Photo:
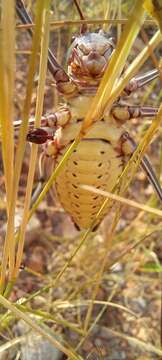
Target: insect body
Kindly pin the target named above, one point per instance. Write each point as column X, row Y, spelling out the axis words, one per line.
column 99, row 158
column 97, row 161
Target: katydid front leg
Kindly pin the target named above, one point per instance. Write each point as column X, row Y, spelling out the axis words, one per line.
column 46, row 135
column 141, row 80
column 63, row 82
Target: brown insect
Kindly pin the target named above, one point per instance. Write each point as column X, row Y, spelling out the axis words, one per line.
column 100, row 157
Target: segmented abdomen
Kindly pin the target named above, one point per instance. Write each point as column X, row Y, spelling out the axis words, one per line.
column 94, row 162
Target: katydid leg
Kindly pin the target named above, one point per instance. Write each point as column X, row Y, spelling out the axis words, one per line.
column 141, row 80
column 63, row 82
column 147, row 168
column 123, row 112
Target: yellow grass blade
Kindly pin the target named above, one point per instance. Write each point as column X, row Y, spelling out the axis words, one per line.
column 38, row 114
column 154, row 8
column 134, row 67
column 123, row 200
column 132, row 165
column 66, row 23
column 9, row 246
column 116, row 65
column 7, row 71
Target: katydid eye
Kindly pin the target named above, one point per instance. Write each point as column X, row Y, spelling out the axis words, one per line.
column 85, row 50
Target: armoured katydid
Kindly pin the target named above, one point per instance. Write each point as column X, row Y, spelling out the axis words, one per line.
column 100, row 157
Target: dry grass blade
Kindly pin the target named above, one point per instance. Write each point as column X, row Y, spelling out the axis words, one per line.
column 110, row 12
column 67, row 304
column 7, row 71
column 38, row 114
column 131, row 167
column 5, row 303
column 154, row 8
column 123, row 200
column 99, row 275
column 134, row 67
column 63, row 23
column 7, row 66
column 141, row 344
column 12, row 343
column 120, row 188
column 10, row 238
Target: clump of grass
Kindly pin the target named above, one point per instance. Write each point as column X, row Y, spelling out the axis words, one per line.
column 10, row 240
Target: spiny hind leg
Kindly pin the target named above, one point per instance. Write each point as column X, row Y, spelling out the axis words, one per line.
column 128, row 146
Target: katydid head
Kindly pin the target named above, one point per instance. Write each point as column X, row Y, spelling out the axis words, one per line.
column 90, row 54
